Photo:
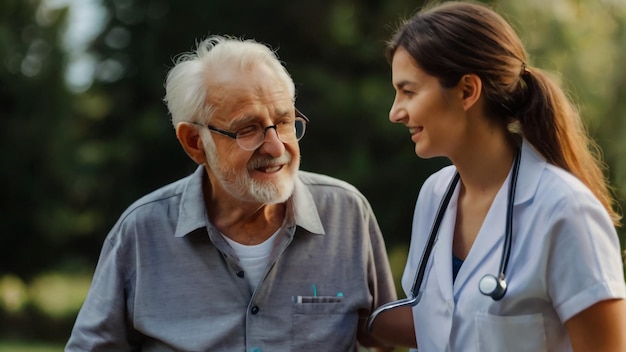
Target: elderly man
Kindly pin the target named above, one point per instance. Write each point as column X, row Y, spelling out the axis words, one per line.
column 248, row 253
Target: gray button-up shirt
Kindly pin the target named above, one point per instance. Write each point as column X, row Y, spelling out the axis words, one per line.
column 168, row 281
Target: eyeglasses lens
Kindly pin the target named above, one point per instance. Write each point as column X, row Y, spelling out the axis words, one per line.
column 287, row 133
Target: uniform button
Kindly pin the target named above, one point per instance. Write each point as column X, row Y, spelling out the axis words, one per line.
column 240, row 273
column 255, row 310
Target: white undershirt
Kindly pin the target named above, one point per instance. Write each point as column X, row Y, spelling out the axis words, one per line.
column 253, row 258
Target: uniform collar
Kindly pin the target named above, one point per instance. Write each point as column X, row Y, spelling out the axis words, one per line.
column 488, row 246
column 531, row 168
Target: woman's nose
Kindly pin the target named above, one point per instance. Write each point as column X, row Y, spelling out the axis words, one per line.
column 396, row 113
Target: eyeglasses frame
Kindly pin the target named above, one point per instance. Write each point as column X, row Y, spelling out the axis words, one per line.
column 233, row 135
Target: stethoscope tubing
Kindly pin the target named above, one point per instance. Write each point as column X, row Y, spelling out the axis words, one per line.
column 434, row 232
column 508, row 238
column 416, row 293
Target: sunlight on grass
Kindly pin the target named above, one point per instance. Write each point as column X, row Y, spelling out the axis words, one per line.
column 14, row 346
column 397, row 261
column 59, row 295
column 13, row 293
column 55, row 294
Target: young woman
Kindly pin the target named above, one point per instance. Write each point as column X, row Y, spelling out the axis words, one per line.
column 514, row 245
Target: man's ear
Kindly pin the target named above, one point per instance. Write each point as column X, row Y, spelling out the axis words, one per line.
column 189, row 137
column 470, row 87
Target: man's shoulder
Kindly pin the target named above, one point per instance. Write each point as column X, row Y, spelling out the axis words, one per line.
column 316, row 180
column 325, row 190
column 160, row 197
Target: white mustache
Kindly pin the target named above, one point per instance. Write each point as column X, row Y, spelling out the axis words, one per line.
column 264, row 161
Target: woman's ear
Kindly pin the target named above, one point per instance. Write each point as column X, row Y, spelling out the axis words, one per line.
column 471, row 87
column 189, row 137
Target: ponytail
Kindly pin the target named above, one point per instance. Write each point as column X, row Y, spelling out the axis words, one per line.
column 552, row 124
column 457, row 38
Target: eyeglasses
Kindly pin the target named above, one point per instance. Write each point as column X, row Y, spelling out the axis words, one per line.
column 253, row 136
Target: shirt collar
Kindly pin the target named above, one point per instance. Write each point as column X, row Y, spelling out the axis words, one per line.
column 531, row 168
column 305, row 209
column 192, row 211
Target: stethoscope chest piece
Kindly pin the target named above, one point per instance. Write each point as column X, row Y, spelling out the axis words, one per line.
column 489, row 285
column 492, row 286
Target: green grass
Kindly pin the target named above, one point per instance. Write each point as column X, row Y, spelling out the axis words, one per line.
column 21, row 346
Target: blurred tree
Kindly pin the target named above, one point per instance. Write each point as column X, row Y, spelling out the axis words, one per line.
column 581, row 41
column 36, row 131
column 334, row 52
column 84, row 157
column 74, row 159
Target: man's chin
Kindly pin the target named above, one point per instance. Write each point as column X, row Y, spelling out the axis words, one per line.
column 272, row 193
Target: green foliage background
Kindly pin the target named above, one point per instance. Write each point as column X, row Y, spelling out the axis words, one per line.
column 75, row 155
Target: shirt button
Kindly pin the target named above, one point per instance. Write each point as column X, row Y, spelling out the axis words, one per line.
column 240, row 273
column 255, row 310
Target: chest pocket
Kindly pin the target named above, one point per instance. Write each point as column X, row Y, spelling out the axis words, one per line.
column 520, row 333
column 323, row 321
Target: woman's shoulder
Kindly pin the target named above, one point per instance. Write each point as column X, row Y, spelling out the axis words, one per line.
column 558, row 184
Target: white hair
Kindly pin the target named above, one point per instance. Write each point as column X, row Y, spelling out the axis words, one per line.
column 188, row 83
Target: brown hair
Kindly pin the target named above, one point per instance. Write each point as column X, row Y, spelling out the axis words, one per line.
column 456, row 38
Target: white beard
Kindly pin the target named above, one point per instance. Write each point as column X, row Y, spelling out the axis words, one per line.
column 241, row 186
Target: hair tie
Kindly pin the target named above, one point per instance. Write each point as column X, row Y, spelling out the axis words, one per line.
column 524, row 70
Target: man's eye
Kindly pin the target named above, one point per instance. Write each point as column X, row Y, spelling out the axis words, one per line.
column 248, row 131
column 285, row 122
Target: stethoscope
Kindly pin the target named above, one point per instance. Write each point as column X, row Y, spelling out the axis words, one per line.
column 489, row 285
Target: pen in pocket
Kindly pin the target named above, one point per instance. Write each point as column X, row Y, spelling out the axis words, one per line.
column 317, row 299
